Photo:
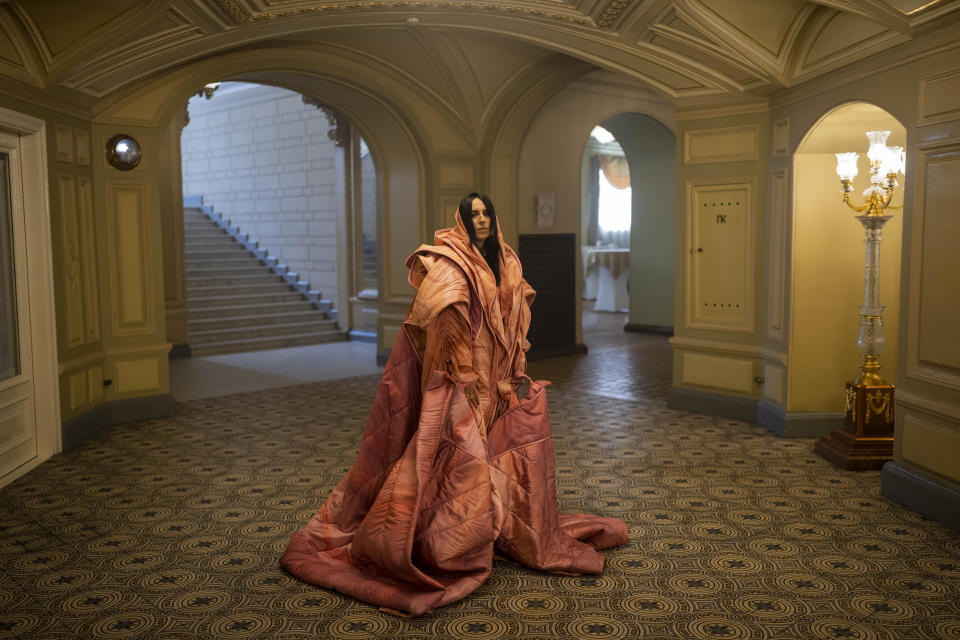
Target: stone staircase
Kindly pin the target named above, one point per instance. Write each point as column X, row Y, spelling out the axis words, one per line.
column 236, row 303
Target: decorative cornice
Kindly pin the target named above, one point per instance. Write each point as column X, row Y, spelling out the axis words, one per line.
column 612, row 12
column 338, row 127
column 240, row 15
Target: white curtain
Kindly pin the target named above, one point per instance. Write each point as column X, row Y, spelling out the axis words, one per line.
column 614, row 206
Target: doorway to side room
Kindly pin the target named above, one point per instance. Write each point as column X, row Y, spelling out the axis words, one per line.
column 628, row 179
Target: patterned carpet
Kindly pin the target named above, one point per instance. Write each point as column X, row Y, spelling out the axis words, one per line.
column 172, row 528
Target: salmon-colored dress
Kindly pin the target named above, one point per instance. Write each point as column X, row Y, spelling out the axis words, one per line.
column 453, row 465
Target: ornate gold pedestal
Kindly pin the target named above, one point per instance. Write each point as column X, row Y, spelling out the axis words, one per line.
column 865, row 441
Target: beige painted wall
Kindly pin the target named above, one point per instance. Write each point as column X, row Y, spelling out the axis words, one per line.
column 923, row 95
column 828, row 269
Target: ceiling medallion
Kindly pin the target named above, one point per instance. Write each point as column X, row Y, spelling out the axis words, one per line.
column 240, row 15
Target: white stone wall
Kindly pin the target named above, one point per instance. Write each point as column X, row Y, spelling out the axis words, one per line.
column 262, row 158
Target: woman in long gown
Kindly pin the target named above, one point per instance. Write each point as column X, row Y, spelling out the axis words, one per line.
column 453, row 465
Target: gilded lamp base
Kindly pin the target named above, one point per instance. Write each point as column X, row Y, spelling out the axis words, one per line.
column 865, row 442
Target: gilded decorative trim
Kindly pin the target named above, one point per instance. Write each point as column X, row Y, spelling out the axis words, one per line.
column 611, row 13
column 239, row 15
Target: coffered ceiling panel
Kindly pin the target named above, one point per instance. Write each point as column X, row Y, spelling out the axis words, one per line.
column 842, row 33
column 768, row 24
column 492, row 62
column 400, row 49
column 101, row 72
column 461, row 52
column 58, row 34
column 8, row 51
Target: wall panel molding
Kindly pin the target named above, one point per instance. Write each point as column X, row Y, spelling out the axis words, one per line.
column 933, row 351
column 939, row 98
column 91, row 286
column 717, row 372
column 136, row 376
column 780, row 138
column 82, row 140
column 63, row 139
column 130, row 262
column 72, row 277
column 777, row 243
column 726, row 144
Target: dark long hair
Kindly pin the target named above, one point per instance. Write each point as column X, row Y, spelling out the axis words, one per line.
column 491, row 246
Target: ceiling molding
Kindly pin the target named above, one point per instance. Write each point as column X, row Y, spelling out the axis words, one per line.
column 30, row 69
column 683, row 49
column 240, row 14
column 906, row 53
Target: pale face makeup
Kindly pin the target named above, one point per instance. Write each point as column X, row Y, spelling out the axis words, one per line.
column 481, row 221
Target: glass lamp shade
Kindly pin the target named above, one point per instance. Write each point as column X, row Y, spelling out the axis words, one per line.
column 878, row 146
column 893, row 163
column 847, row 165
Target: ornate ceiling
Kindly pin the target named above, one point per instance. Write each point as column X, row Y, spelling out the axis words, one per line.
column 84, row 52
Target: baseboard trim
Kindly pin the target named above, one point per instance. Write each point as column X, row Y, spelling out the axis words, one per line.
column 180, row 351
column 79, row 428
column 797, row 424
column 554, row 352
column 635, row 327
column 911, row 487
column 713, row 404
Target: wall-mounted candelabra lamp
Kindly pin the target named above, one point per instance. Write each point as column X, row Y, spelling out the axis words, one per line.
column 865, row 441
column 123, row 152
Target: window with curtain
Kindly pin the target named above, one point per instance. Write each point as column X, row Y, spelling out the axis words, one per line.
column 614, row 206
column 608, row 193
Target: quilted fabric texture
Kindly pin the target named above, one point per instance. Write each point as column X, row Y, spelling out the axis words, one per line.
column 414, row 524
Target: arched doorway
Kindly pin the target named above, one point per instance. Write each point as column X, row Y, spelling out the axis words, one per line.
column 648, row 150
column 606, row 216
column 828, row 264
column 298, row 185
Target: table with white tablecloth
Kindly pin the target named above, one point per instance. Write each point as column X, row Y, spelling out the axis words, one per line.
column 605, row 272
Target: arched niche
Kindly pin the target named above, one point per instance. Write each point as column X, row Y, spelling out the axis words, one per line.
column 828, row 260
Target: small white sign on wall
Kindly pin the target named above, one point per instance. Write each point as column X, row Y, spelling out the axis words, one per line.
column 545, row 209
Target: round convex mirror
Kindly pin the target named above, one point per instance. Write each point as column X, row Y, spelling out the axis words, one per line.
column 123, row 152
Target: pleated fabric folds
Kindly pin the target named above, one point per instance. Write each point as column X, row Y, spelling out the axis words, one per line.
column 416, row 521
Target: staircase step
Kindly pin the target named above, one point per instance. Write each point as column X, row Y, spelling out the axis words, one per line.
column 242, row 299
column 237, row 303
column 225, row 278
column 205, row 336
column 259, row 344
column 205, row 234
column 214, row 291
column 213, row 243
column 256, row 321
column 226, row 263
column 242, row 268
column 227, row 251
column 227, row 312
